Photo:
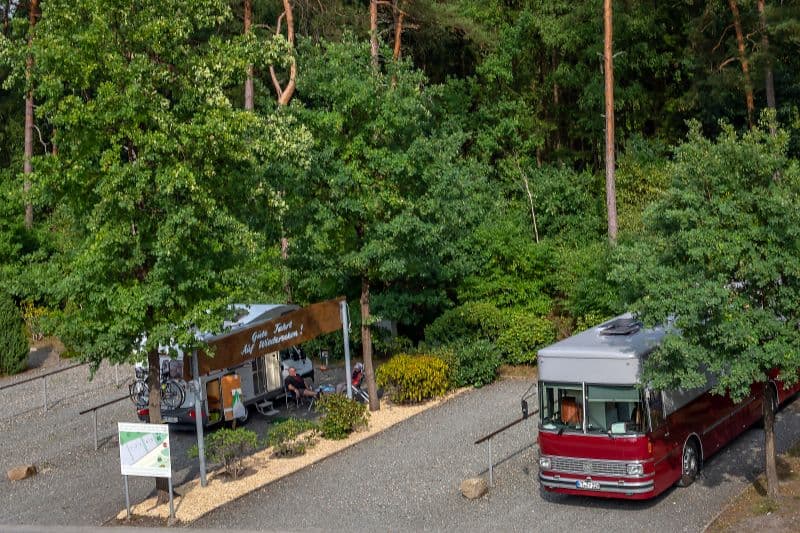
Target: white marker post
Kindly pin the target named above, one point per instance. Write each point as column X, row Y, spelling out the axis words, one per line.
column 346, row 335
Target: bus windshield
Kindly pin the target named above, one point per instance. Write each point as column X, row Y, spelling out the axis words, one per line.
column 614, row 410
column 610, row 409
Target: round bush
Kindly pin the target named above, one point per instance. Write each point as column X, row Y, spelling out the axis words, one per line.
column 473, row 320
column 340, row 416
column 524, row 335
column 414, row 378
column 13, row 343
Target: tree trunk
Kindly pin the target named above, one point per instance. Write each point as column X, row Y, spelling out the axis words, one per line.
column 154, row 408
column 285, row 93
column 27, row 165
column 366, row 347
column 6, row 9
column 398, row 29
column 373, row 32
column 248, row 83
column 769, row 80
column 608, row 69
column 769, row 441
column 748, row 86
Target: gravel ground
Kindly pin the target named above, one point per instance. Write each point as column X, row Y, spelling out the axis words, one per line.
column 77, row 485
column 408, row 477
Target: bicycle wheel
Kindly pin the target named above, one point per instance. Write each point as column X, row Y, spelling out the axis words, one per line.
column 139, row 393
column 171, row 395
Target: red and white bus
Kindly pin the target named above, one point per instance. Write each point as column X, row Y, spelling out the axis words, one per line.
column 601, row 433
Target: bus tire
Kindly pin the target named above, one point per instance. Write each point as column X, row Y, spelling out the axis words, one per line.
column 690, row 463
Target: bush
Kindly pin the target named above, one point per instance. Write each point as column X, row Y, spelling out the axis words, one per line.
column 229, row 447
column 472, row 363
column 13, row 343
column 524, row 335
column 410, row 379
column 340, row 416
column 286, row 440
column 473, row 320
column 32, row 316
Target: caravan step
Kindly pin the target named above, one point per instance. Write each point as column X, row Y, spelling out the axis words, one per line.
column 266, row 408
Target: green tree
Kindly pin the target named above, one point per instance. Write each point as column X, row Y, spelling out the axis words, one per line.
column 722, row 259
column 388, row 198
column 156, row 188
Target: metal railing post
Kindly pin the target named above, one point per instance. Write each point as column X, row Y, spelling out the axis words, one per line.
column 44, row 381
column 491, row 473
column 95, row 429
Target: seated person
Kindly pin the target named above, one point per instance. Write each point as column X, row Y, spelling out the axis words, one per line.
column 297, row 385
column 358, row 374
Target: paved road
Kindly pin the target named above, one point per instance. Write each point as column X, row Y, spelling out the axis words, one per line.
column 77, row 485
column 408, row 477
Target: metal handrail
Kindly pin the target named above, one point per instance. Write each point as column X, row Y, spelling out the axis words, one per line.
column 525, row 416
column 94, row 409
column 41, row 376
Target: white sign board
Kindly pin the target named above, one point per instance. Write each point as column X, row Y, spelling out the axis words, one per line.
column 144, row 450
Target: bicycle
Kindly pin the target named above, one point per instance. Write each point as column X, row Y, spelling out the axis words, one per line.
column 172, row 393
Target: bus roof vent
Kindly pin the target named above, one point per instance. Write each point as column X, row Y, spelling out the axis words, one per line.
column 621, row 326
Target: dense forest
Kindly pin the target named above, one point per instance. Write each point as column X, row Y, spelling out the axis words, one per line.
column 441, row 163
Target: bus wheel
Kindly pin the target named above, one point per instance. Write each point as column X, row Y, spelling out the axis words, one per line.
column 690, row 462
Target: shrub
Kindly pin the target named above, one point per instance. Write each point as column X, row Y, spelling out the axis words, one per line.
column 472, row 320
column 32, row 316
column 340, row 416
column 524, row 335
column 229, row 447
column 472, row 363
column 13, row 343
column 292, row 437
column 414, row 378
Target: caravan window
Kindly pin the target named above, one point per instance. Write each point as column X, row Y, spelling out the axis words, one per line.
column 561, row 405
column 615, row 410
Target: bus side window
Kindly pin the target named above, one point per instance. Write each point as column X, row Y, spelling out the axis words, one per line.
column 656, row 409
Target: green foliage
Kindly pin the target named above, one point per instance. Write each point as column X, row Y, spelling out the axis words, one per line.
column 413, row 378
column 13, row 344
column 472, row 320
column 158, row 192
column 472, row 363
column 292, row 437
column 228, row 447
column 721, row 258
column 387, row 199
column 523, row 336
column 340, row 416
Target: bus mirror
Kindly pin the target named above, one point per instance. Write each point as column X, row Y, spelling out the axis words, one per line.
column 524, row 408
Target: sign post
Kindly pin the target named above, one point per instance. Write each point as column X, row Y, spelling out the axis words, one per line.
column 144, row 451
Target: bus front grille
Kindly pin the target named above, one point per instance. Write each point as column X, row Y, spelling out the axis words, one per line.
column 588, row 466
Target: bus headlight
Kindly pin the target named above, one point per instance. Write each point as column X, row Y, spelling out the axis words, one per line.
column 545, row 463
column 635, row 469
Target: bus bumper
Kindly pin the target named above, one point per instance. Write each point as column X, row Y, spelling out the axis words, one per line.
column 636, row 489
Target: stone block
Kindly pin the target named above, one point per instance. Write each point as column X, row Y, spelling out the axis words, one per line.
column 474, row 488
column 18, row 473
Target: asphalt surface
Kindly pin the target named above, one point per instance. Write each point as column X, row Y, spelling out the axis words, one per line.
column 408, row 477
column 77, row 485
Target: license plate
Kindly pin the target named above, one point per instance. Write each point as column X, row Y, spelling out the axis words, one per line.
column 587, row 484
column 171, row 419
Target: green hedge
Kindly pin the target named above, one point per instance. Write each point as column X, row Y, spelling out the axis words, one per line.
column 472, row 363
column 13, row 342
column 414, row 378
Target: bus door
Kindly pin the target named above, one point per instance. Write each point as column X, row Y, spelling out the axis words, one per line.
column 664, row 456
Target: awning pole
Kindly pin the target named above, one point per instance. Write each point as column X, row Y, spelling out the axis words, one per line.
column 346, row 336
column 198, row 417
